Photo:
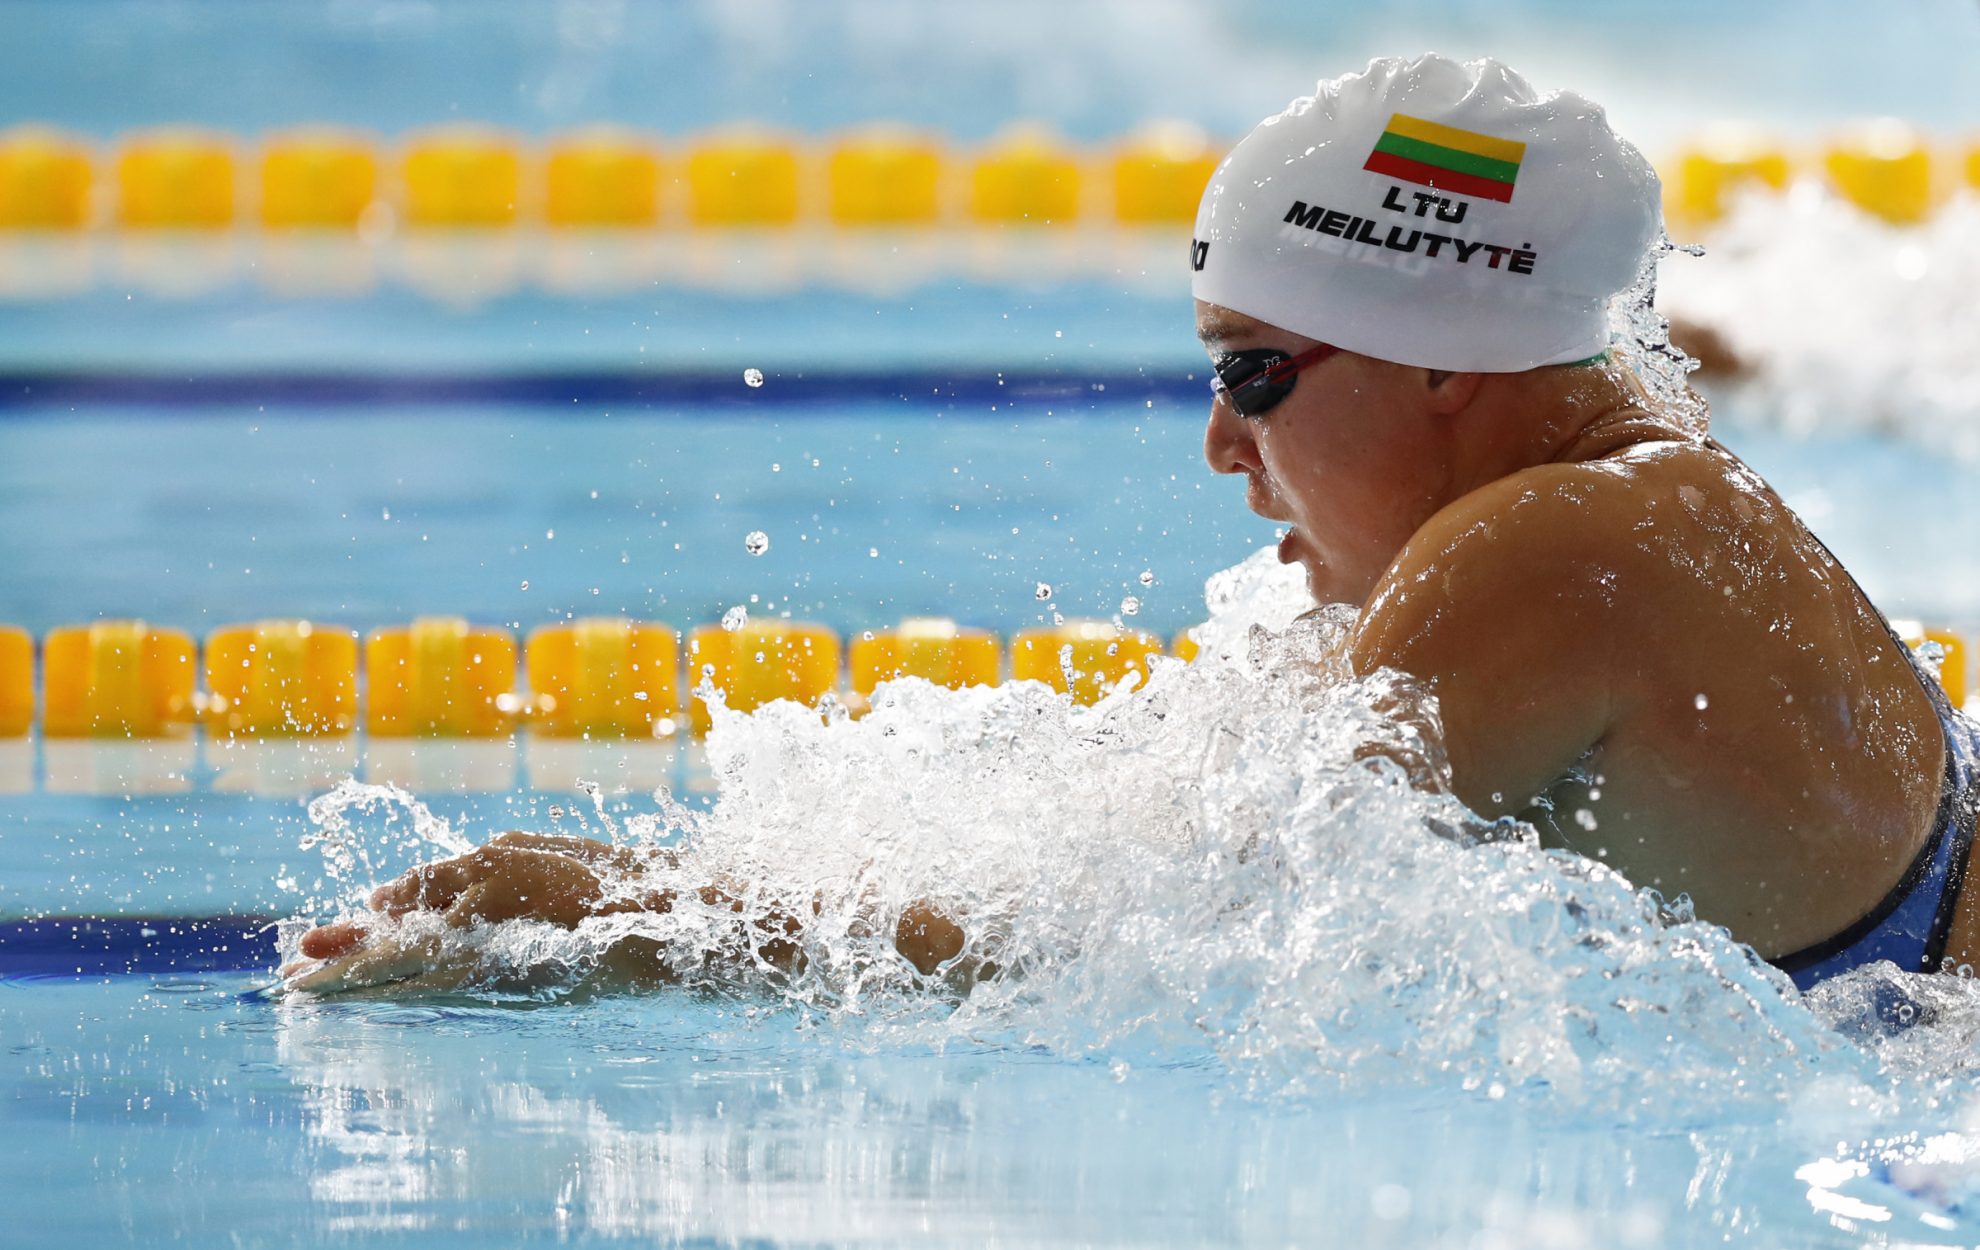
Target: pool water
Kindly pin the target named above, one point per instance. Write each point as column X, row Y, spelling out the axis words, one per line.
column 710, row 1122
column 1115, row 1105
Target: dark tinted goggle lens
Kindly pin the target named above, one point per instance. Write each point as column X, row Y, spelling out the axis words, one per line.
column 1254, row 379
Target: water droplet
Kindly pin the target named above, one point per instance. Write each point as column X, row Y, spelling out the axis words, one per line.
column 525, row 585
column 1147, row 577
column 735, row 618
column 1043, row 592
column 756, row 542
column 873, row 553
column 1130, row 606
column 752, row 377
column 1701, row 702
column 1584, row 818
column 556, row 811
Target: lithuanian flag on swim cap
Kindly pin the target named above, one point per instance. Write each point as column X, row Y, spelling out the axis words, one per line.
column 1447, row 158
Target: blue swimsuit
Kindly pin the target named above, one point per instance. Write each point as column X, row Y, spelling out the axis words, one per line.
column 1911, row 925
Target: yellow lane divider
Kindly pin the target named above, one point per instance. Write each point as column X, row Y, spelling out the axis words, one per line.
column 478, row 177
column 1886, row 168
column 463, row 176
column 885, row 176
column 759, row 662
column 743, row 177
column 1083, row 658
column 933, row 649
column 278, row 679
column 16, row 682
column 1159, row 175
column 440, row 678
column 596, row 678
column 176, row 179
column 603, row 677
column 117, row 679
column 1025, row 177
column 602, row 178
column 318, row 178
column 44, row 180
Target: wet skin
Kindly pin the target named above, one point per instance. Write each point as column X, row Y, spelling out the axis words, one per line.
column 1634, row 643
column 564, row 880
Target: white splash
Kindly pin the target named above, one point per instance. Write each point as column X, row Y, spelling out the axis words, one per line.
column 1249, row 859
column 1847, row 324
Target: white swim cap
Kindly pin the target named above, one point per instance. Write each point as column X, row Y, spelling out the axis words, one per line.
column 1431, row 214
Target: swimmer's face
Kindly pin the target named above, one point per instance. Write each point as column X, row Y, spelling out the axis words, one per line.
column 1351, row 460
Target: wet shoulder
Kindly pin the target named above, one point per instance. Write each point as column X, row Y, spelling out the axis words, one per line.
column 1656, row 521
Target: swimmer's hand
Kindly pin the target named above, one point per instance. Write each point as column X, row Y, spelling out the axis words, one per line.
column 524, row 876
column 517, row 876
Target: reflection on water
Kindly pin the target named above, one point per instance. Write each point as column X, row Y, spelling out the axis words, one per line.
column 686, row 1120
column 146, row 1111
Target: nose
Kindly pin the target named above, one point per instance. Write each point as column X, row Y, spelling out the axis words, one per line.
column 1228, row 443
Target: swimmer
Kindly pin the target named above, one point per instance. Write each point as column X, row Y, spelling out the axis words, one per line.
column 1636, row 646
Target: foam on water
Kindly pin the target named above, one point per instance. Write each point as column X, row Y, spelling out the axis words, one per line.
column 1847, row 324
column 1253, row 861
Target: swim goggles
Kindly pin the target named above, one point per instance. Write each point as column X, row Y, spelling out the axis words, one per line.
column 1256, row 379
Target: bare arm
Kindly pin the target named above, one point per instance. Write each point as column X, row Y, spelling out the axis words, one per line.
column 525, row 876
column 1497, row 604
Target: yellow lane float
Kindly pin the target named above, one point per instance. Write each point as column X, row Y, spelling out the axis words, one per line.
column 743, row 177
column 1885, row 169
column 1084, row 658
column 1159, row 174
column 179, row 179
column 1709, row 172
column 760, row 661
column 602, row 677
column 16, row 682
column 1025, row 177
column 462, row 177
column 931, row 648
column 884, row 176
column 117, row 679
column 281, row 679
column 318, row 178
column 601, row 178
column 440, row 678
column 44, row 180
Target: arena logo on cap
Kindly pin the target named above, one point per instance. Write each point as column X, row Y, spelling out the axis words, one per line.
column 1446, row 158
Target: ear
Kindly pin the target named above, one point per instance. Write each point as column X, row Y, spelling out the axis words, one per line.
column 1451, row 393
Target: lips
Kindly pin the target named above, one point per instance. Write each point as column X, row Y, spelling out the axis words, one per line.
column 1259, row 498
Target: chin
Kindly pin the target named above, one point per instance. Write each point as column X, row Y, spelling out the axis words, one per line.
column 1328, row 588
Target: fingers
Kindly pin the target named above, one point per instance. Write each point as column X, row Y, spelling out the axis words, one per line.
column 588, row 850
column 332, row 940
column 387, row 959
column 928, row 936
column 430, row 886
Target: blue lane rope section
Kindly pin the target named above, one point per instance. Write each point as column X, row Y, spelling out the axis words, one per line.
column 1013, row 393
column 71, row 946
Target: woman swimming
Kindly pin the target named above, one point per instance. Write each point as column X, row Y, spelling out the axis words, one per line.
column 1402, row 284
